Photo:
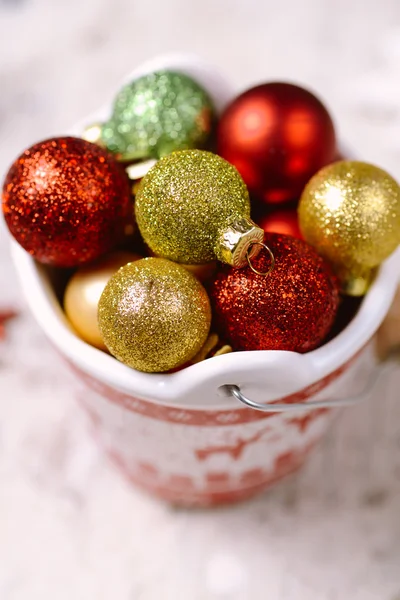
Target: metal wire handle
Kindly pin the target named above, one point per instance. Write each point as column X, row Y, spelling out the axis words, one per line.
column 376, row 375
column 271, row 257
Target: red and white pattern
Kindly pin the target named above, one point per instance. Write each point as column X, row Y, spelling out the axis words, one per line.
column 206, row 457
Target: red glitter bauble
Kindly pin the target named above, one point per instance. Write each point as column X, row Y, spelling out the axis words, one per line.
column 277, row 135
column 66, row 201
column 293, row 308
column 281, row 221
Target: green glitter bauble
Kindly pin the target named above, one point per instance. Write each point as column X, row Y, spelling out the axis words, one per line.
column 186, row 201
column 157, row 114
column 154, row 315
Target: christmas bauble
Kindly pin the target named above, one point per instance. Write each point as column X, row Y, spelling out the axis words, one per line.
column 350, row 212
column 154, row 315
column 281, row 221
column 193, row 207
column 293, row 308
column 83, row 291
column 66, row 201
column 277, row 135
column 157, row 114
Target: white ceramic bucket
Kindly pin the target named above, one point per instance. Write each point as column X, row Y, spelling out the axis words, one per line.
column 181, row 436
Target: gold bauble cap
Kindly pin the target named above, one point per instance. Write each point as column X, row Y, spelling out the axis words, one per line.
column 238, row 241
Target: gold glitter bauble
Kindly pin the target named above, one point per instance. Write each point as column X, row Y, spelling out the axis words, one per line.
column 350, row 212
column 193, row 207
column 83, row 292
column 154, row 316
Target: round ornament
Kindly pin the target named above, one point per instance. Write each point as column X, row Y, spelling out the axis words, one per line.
column 157, row 114
column 83, row 291
column 154, row 315
column 193, row 207
column 66, row 201
column 293, row 308
column 277, row 135
column 350, row 212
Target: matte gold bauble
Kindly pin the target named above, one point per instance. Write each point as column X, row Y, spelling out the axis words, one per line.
column 83, row 292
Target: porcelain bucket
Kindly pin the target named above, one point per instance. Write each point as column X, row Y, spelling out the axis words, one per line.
column 183, row 436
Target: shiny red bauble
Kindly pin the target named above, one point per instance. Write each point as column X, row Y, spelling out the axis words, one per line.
column 281, row 221
column 277, row 135
column 66, row 201
column 292, row 308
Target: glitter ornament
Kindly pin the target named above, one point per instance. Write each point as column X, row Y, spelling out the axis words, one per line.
column 83, row 291
column 66, row 201
column 277, row 135
column 350, row 212
column 157, row 114
column 154, row 315
column 293, row 308
column 281, row 221
column 193, row 207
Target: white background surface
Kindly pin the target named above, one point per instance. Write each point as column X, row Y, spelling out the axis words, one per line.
column 70, row 527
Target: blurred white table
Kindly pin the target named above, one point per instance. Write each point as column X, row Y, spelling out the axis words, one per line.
column 70, row 527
